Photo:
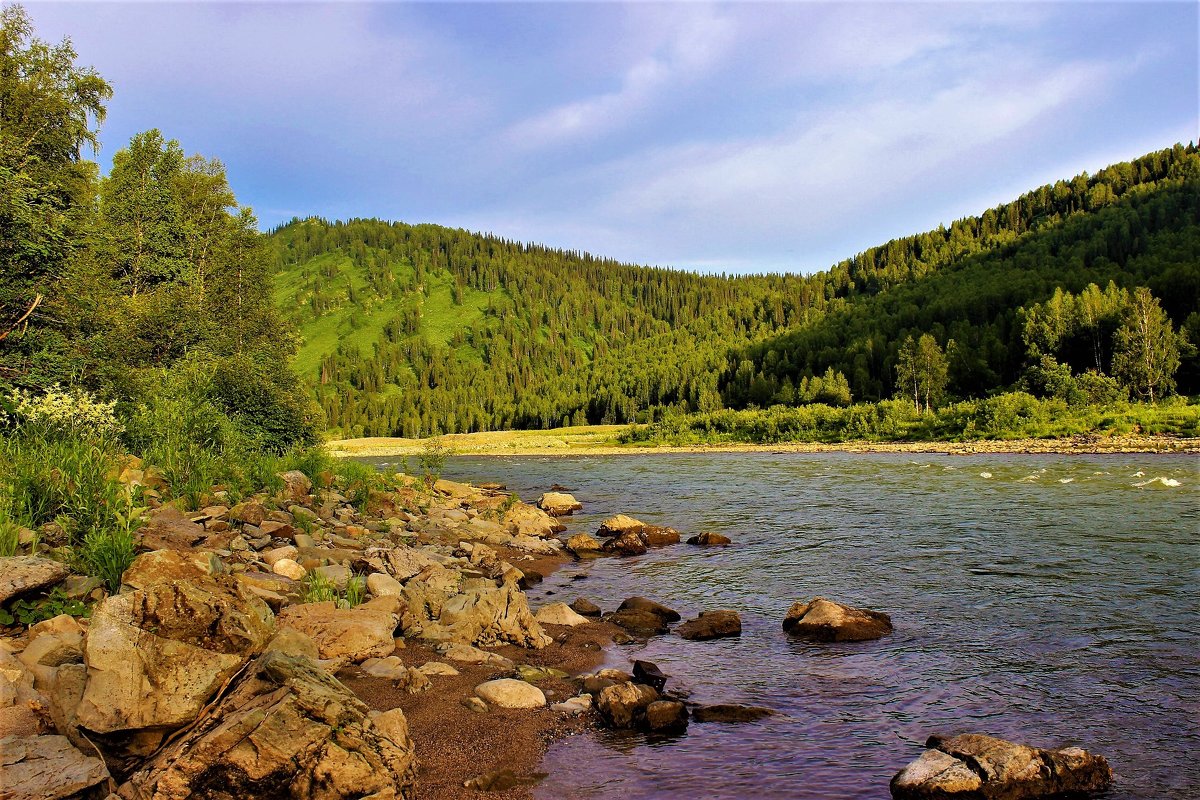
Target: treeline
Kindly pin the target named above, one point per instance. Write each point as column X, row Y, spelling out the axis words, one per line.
column 418, row 330
column 149, row 287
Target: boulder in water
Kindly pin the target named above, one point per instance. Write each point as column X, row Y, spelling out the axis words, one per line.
column 730, row 713
column 559, row 504
column 709, row 539
column 826, row 621
column 977, row 766
column 711, row 625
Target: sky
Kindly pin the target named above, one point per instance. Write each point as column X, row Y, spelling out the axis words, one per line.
column 746, row 137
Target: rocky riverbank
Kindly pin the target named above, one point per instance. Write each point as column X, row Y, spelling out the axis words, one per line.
column 302, row 643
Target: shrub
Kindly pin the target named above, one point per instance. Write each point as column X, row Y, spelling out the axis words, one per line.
column 72, row 413
column 434, row 453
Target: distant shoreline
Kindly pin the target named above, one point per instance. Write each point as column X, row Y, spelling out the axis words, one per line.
column 600, row 440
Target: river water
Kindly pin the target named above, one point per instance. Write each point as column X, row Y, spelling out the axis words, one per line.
column 1053, row 600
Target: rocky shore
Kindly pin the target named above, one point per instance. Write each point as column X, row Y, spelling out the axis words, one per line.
column 298, row 644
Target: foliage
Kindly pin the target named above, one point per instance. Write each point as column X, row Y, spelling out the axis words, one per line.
column 1147, row 348
column 107, row 551
column 432, row 459
column 417, row 330
column 1011, row 415
column 318, row 589
column 71, row 412
column 356, row 590
column 31, row 612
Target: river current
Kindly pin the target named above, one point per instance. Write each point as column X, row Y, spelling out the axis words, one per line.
column 1052, row 600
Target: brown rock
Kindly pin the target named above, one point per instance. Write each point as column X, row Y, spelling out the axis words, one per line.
column 623, row 705
column 639, row 622
column 49, row 768
column 526, row 520
column 730, row 713
column 585, row 607
column 170, row 529
column 659, row 536
column 156, row 655
column 559, row 504
column 615, row 526
column 162, row 566
column 666, row 716
column 286, row 729
column 826, row 621
column 249, row 512
column 22, row 574
column 976, row 766
column 352, row 634
column 629, row 543
column 711, row 625
column 296, row 486
column 642, row 604
column 583, row 545
column 709, row 539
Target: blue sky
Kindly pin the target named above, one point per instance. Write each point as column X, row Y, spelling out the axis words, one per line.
column 742, row 137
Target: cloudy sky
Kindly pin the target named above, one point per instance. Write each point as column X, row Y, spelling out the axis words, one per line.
column 744, row 137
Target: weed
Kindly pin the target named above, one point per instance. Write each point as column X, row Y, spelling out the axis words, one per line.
column 356, row 590
column 318, row 589
column 31, row 612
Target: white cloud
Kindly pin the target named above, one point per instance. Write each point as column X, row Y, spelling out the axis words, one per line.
column 691, row 45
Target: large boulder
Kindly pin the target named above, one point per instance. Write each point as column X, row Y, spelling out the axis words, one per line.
column 559, row 504
column 526, row 520
column 22, row 574
column 168, row 528
column 511, row 693
column 711, row 625
column 623, row 705
column 642, row 604
column 286, row 729
column 730, row 713
column 582, row 545
column 346, row 634
column 621, row 523
column 49, row 768
column 974, row 766
column 161, row 566
column 249, row 512
column 826, row 621
column 296, row 486
column 625, row 544
column 667, row 716
column 559, row 614
column 489, row 615
column 709, row 539
column 158, row 654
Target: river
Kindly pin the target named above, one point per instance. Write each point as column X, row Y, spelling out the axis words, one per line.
column 1053, row 600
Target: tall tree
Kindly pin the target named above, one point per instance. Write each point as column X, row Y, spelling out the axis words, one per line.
column 50, row 109
column 1147, row 351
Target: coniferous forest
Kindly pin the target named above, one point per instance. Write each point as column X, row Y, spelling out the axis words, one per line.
column 416, row 330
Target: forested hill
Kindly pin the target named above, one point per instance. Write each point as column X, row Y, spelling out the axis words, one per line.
column 413, row 330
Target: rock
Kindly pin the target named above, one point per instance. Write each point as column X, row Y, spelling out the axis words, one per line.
column 466, row 654
column 647, row 672
column 575, row 705
column 526, row 520
column 615, row 526
column 474, row 704
column 168, row 528
column 585, row 607
column 296, row 486
column 502, row 780
column 559, row 614
column 277, row 530
column 511, row 693
column 437, row 668
column 666, row 716
column 642, row 604
column 405, row 562
column 249, row 512
column 623, row 705
column 559, row 504
column 826, row 621
column 391, row 667
column 287, row 551
column 49, row 768
column 531, row 674
column 289, row 569
column 489, row 615
column 583, row 545
column 709, row 539
column 337, row 574
column 639, row 622
column 286, row 729
column 711, row 625
column 659, row 536
column 294, row 643
column 626, row 544
column 381, row 585
column 23, row 574
column 354, row 634
column 393, row 725
column 157, row 655
column 977, row 766
column 730, row 712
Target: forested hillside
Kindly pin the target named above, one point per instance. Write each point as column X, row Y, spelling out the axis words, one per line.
column 414, row 330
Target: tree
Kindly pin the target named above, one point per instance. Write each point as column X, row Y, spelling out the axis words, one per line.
column 923, row 369
column 49, row 110
column 1147, row 348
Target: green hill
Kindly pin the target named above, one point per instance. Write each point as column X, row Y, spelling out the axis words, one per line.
column 418, row 329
